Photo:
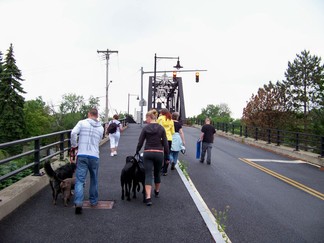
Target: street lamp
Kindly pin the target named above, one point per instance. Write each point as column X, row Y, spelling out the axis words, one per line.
column 128, row 100
column 178, row 66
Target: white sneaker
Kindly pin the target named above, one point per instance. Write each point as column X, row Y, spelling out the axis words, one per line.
column 112, row 154
column 115, row 153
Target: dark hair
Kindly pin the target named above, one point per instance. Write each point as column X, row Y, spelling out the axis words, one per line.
column 94, row 112
column 116, row 117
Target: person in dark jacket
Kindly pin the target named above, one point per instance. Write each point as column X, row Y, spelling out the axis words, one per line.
column 156, row 146
column 207, row 137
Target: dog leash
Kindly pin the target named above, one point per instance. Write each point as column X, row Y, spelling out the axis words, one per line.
column 73, row 154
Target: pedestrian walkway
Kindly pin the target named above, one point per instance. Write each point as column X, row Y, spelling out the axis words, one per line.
column 173, row 217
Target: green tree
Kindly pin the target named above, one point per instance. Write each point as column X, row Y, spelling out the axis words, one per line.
column 210, row 111
column 1, row 64
column 305, row 84
column 217, row 113
column 72, row 109
column 71, row 103
column 92, row 102
column 12, row 121
column 37, row 117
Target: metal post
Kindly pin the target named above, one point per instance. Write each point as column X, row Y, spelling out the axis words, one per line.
column 322, row 147
column 106, row 107
column 129, row 102
column 269, row 136
column 107, row 99
column 154, row 82
column 36, row 157
column 297, row 142
column 62, row 146
column 107, row 53
column 128, row 105
column 142, row 96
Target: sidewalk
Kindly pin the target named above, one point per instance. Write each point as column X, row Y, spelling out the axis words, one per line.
column 173, row 217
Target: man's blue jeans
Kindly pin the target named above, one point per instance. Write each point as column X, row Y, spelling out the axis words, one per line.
column 206, row 147
column 85, row 163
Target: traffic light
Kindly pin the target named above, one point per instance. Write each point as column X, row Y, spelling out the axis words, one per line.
column 174, row 76
column 197, row 77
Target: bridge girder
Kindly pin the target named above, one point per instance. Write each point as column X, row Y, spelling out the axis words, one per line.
column 169, row 94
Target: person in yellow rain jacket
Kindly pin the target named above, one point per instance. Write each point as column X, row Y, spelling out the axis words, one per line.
column 165, row 120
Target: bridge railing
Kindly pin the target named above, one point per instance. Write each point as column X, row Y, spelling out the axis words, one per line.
column 35, row 150
column 296, row 140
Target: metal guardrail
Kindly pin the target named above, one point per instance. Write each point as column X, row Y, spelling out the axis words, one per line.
column 58, row 140
column 44, row 147
column 297, row 140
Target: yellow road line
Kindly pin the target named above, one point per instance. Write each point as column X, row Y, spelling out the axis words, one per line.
column 285, row 179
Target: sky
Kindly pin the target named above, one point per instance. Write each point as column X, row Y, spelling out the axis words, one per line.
column 242, row 44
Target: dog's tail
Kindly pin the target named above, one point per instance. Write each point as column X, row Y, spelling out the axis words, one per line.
column 50, row 172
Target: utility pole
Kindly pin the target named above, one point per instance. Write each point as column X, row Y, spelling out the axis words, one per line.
column 142, row 98
column 107, row 53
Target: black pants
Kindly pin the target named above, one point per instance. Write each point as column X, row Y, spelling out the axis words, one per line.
column 152, row 160
column 166, row 156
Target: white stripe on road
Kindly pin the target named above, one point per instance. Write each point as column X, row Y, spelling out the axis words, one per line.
column 203, row 209
column 280, row 161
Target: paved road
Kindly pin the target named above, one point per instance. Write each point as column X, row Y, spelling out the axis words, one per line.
column 263, row 208
column 172, row 218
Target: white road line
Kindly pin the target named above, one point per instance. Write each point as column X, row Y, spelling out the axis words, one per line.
column 279, row 161
column 203, row 209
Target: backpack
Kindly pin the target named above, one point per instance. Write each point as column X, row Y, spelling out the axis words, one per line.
column 112, row 128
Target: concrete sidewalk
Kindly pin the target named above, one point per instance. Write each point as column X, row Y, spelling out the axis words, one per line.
column 174, row 217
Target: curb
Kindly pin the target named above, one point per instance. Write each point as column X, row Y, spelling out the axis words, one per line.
column 16, row 194
column 203, row 209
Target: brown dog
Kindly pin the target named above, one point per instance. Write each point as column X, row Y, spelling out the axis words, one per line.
column 59, row 175
column 67, row 185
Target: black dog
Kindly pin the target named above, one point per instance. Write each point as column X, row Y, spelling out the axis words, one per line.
column 126, row 177
column 58, row 176
column 139, row 176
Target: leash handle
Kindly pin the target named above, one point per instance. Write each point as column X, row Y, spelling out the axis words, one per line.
column 73, row 154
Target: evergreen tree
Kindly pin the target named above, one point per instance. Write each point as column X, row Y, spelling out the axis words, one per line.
column 12, row 120
column 305, row 84
column 1, row 63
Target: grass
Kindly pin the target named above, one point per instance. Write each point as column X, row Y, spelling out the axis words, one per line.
column 183, row 166
column 221, row 218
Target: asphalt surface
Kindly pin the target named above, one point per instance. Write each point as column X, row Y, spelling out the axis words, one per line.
column 173, row 217
column 262, row 208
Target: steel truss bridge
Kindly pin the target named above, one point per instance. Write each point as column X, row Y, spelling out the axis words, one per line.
column 166, row 92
